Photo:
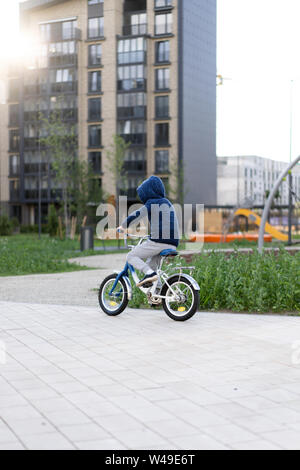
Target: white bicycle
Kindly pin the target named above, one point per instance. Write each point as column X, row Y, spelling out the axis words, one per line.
column 178, row 293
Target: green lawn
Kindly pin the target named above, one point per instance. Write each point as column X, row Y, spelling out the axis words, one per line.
column 26, row 254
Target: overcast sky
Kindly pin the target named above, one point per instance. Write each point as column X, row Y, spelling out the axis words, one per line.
column 258, row 54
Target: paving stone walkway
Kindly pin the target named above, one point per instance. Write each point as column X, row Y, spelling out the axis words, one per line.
column 73, row 378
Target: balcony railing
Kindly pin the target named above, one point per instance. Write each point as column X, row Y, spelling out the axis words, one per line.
column 32, row 168
column 33, row 194
column 59, row 35
column 135, row 139
column 139, row 166
column 133, row 112
column 135, row 30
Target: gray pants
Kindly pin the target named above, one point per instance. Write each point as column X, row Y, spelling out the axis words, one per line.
column 147, row 251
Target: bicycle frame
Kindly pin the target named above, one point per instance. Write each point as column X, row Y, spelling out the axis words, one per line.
column 163, row 278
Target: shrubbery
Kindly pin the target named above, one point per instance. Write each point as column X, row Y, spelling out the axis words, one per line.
column 245, row 282
column 29, row 229
column 5, row 226
column 52, row 221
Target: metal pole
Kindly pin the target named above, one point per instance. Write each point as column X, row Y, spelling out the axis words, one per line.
column 40, row 191
column 269, row 203
column 290, row 207
column 291, row 119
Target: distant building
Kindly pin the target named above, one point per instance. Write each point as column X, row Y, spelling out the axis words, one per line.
column 143, row 69
column 251, row 178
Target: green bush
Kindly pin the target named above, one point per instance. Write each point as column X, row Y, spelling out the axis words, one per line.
column 30, row 229
column 244, row 282
column 5, row 226
column 15, row 223
column 249, row 283
column 52, row 221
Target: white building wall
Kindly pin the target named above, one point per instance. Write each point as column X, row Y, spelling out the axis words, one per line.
column 244, row 178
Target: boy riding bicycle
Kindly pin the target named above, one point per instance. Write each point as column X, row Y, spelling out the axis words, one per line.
column 164, row 229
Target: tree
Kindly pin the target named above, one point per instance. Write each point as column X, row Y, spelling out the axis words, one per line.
column 176, row 191
column 87, row 193
column 60, row 139
column 52, row 221
column 116, row 166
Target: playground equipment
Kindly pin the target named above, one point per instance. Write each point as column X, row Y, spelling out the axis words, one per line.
column 254, row 218
column 269, row 202
column 219, row 237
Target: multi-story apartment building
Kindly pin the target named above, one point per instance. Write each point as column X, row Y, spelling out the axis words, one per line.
column 142, row 69
column 4, row 188
column 250, row 178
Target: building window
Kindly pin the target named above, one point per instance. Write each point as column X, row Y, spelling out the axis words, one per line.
column 130, row 187
column 133, row 131
column 61, row 80
column 14, row 141
column 138, row 25
column 162, row 107
column 94, row 109
column 95, row 54
column 94, row 2
column 14, row 89
column 95, row 162
column 14, row 165
column 163, row 24
column 132, row 105
column 58, row 31
column 132, row 77
column 14, row 115
column 95, row 82
column 162, row 161
column 14, row 190
column 162, row 80
column 45, row 32
column 132, row 51
column 162, row 135
column 162, row 51
column 68, row 30
column 163, row 3
column 62, row 53
column 95, row 27
column 95, row 138
column 135, row 160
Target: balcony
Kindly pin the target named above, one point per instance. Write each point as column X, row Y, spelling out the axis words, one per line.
column 139, row 166
column 58, row 35
column 14, row 192
column 135, row 30
column 135, row 139
column 33, row 194
column 33, row 168
column 132, row 112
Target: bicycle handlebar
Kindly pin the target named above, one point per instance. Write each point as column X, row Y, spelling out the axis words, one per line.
column 129, row 235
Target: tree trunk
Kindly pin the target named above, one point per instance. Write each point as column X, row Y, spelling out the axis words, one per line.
column 66, row 215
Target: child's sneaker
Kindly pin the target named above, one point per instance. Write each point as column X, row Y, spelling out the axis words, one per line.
column 148, row 279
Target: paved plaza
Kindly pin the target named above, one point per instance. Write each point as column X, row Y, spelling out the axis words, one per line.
column 73, row 378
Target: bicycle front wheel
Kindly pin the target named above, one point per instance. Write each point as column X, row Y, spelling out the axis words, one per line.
column 181, row 299
column 115, row 303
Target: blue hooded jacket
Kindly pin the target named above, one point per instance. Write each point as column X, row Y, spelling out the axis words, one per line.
column 161, row 213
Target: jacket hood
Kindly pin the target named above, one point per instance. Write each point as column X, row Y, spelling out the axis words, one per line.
column 152, row 188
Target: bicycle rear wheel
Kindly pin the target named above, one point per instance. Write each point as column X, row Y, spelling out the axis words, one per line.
column 186, row 303
column 113, row 304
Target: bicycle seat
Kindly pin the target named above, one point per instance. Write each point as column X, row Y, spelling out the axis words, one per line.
column 167, row 253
